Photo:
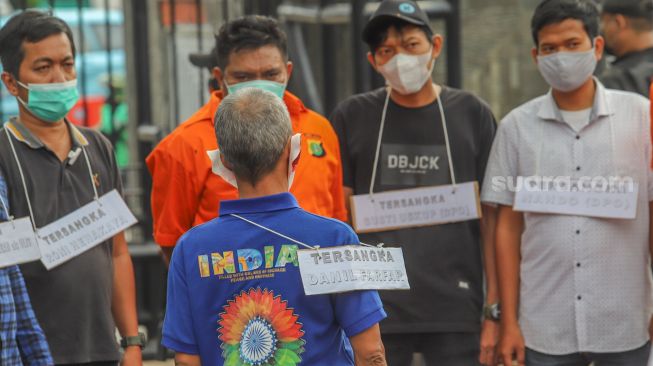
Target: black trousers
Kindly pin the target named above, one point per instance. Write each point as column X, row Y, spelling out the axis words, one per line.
column 438, row 349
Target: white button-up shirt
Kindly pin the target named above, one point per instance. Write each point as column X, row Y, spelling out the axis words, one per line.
column 585, row 283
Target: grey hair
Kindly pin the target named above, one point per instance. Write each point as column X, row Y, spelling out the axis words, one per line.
column 253, row 128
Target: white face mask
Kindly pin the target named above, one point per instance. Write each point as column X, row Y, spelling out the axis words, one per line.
column 567, row 71
column 228, row 175
column 407, row 74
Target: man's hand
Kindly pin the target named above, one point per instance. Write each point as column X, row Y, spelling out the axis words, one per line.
column 511, row 346
column 368, row 347
column 489, row 340
column 132, row 357
column 182, row 359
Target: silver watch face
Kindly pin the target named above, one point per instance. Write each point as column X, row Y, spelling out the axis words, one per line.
column 495, row 311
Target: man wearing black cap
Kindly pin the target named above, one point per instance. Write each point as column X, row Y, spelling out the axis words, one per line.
column 628, row 31
column 208, row 60
column 403, row 125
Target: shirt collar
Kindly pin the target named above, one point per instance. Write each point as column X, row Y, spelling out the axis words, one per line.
column 24, row 135
column 275, row 202
column 549, row 110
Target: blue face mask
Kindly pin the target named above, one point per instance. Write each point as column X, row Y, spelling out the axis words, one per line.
column 50, row 102
column 275, row 88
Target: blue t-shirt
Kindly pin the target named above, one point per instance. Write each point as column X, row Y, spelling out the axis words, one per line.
column 235, row 295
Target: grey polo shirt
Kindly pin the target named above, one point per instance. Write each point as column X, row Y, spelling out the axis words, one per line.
column 73, row 301
column 585, row 283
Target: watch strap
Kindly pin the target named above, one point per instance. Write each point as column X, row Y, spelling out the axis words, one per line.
column 138, row 340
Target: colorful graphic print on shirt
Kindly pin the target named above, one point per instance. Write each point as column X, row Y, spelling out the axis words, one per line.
column 259, row 329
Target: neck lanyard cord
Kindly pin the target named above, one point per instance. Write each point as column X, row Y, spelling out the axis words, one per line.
column 378, row 143
column 316, row 247
column 22, row 177
column 446, row 140
column 90, row 174
column 380, row 137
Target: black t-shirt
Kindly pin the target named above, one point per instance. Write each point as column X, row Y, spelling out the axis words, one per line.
column 444, row 264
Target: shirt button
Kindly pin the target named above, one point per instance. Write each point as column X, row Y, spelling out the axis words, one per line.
column 578, row 168
column 577, row 232
column 578, row 264
column 579, row 297
column 577, row 137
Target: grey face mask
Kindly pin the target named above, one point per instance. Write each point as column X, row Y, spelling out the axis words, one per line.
column 567, row 71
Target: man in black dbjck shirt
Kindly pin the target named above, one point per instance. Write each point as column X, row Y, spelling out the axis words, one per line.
column 441, row 315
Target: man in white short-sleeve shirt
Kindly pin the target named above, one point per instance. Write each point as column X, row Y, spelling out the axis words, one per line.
column 575, row 289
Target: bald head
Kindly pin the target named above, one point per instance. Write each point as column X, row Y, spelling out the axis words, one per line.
column 253, row 128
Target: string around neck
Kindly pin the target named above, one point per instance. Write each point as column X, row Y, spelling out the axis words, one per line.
column 22, row 177
column 24, row 183
column 313, row 247
column 443, row 119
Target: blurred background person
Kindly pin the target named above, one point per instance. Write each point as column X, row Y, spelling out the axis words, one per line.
column 627, row 27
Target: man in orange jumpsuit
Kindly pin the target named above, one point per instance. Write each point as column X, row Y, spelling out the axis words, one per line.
column 251, row 52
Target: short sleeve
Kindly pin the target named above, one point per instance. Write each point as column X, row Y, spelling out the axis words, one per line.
column 487, row 130
column 501, row 166
column 338, row 122
column 357, row 311
column 178, row 332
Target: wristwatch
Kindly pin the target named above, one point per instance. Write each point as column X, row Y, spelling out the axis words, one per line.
column 492, row 312
column 138, row 340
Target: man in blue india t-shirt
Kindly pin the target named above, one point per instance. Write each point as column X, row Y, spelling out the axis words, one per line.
column 235, row 295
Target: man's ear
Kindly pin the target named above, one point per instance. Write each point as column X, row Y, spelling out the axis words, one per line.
column 599, row 45
column 370, row 59
column 621, row 21
column 437, row 42
column 10, row 83
column 226, row 163
column 289, row 68
column 219, row 76
column 534, row 54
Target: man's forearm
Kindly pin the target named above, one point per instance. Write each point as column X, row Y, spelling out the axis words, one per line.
column 488, row 225
column 508, row 241
column 182, row 359
column 124, row 289
column 650, row 233
column 368, row 347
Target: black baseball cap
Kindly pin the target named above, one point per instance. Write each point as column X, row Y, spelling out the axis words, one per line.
column 405, row 10
column 630, row 8
column 208, row 60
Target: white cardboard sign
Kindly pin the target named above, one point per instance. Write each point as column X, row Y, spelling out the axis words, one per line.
column 83, row 229
column 18, row 242
column 415, row 207
column 613, row 205
column 350, row 268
